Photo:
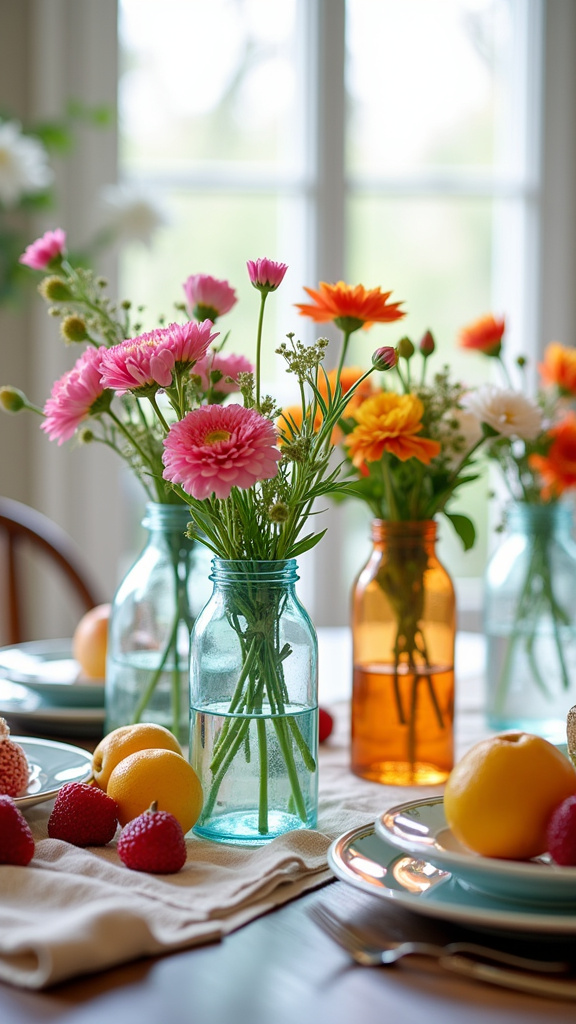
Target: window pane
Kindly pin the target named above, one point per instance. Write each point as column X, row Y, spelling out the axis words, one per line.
column 207, row 82
column 424, row 85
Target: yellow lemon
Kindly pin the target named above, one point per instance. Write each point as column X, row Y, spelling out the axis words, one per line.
column 159, row 775
column 125, row 740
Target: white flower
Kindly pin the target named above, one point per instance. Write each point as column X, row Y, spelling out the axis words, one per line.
column 509, row 413
column 132, row 214
column 24, row 167
column 460, row 430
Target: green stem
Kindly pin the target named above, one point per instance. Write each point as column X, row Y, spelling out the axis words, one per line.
column 258, row 369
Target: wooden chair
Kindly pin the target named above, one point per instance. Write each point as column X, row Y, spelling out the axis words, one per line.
column 25, row 531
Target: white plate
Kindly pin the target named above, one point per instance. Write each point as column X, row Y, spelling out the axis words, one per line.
column 419, row 827
column 26, row 709
column 52, row 764
column 48, row 668
column 362, row 859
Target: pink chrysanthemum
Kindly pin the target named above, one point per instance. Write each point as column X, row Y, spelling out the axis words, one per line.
column 73, row 396
column 150, row 358
column 215, row 448
column 229, row 366
column 208, row 298
column 265, row 274
column 40, row 253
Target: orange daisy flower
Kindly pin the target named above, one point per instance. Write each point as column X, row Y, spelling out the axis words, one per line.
column 389, row 422
column 350, row 307
column 290, row 421
column 559, row 367
column 558, row 467
column 484, row 335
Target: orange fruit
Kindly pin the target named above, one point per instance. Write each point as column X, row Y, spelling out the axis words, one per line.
column 500, row 795
column 125, row 740
column 159, row 775
column 90, row 642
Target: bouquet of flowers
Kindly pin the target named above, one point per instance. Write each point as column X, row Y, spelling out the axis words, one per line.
column 248, row 475
column 409, row 446
column 532, row 440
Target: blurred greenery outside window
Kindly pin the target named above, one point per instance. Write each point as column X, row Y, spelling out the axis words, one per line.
column 224, row 108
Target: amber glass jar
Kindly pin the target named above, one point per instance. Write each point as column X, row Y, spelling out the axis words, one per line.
column 403, row 635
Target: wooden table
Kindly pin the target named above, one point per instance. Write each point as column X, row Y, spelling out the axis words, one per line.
column 280, row 969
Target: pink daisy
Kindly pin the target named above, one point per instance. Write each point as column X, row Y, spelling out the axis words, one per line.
column 265, row 274
column 229, row 366
column 208, row 298
column 40, row 253
column 150, row 358
column 215, row 448
column 73, row 396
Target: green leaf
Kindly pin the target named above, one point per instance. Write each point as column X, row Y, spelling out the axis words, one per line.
column 464, row 528
column 304, row 545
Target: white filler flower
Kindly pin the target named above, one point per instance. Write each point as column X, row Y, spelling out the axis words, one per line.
column 24, row 167
column 132, row 215
column 509, row 413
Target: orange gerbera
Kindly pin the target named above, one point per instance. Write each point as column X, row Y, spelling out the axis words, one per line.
column 484, row 335
column 389, row 422
column 558, row 467
column 289, row 422
column 559, row 367
column 350, row 307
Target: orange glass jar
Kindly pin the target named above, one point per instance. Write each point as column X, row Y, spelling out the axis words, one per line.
column 403, row 637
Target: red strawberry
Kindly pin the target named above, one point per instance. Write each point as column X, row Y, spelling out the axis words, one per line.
column 325, row 724
column 561, row 833
column 83, row 815
column 154, row 841
column 16, row 839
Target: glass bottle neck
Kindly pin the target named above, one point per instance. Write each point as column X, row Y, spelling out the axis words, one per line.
column 232, row 572
column 386, row 532
column 166, row 518
column 553, row 518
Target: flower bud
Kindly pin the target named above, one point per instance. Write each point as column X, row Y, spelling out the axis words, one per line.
column 385, row 358
column 405, row 348
column 11, row 399
column 279, row 512
column 427, row 344
column 54, row 289
column 73, row 328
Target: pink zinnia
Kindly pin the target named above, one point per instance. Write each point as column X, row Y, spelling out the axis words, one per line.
column 215, row 448
column 150, row 358
column 228, row 365
column 40, row 253
column 265, row 274
column 208, row 298
column 73, row 396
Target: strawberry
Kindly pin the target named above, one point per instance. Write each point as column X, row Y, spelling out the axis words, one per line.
column 83, row 815
column 16, row 839
column 154, row 841
column 325, row 724
column 561, row 833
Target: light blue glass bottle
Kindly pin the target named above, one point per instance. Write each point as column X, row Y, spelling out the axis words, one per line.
column 253, row 704
column 153, row 611
column 530, row 622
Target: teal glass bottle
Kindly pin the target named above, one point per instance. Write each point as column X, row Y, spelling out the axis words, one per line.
column 253, row 704
column 153, row 611
column 530, row 622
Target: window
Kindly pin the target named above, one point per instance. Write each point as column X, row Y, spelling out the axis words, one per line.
column 390, row 143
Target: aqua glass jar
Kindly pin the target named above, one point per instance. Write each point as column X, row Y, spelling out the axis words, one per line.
column 253, row 704
column 154, row 608
column 530, row 622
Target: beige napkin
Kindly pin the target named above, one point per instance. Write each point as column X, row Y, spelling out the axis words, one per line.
column 74, row 911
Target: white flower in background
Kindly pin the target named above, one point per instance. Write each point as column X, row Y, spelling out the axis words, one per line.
column 131, row 214
column 509, row 413
column 460, row 431
column 24, row 166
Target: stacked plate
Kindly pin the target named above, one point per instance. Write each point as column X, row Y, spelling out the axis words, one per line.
column 42, row 691
column 409, row 856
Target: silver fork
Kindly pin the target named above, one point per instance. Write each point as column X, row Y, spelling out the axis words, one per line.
column 453, row 955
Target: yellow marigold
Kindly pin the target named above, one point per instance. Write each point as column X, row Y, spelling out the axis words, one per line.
column 350, row 307
column 559, row 367
column 389, row 422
